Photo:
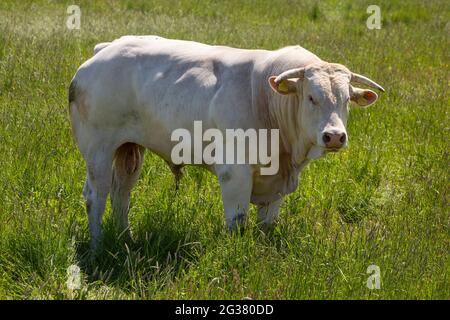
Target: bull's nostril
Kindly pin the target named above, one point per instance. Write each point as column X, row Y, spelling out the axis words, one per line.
column 343, row 138
column 326, row 138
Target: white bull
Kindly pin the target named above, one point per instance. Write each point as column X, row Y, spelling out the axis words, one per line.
column 135, row 91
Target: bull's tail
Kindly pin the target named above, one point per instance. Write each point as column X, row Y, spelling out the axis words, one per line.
column 128, row 162
column 75, row 118
column 72, row 91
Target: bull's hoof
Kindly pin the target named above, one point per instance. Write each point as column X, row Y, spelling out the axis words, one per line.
column 237, row 224
column 267, row 228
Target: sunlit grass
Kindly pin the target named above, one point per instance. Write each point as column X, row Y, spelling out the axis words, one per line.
column 383, row 201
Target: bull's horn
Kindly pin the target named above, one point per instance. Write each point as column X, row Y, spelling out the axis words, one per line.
column 361, row 79
column 292, row 73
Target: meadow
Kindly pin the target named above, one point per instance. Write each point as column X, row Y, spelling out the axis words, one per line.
column 383, row 201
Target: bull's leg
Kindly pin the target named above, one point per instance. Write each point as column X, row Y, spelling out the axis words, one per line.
column 268, row 214
column 95, row 191
column 127, row 167
column 236, row 185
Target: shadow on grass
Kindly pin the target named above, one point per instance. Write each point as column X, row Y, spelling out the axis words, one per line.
column 154, row 254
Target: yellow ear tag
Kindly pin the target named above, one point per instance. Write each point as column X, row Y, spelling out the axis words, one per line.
column 283, row 86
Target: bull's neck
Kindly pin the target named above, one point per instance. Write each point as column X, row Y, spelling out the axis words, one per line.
column 276, row 111
column 284, row 115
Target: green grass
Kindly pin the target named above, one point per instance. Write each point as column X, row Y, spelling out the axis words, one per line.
column 382, row 201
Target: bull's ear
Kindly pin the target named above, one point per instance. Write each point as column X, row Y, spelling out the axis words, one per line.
column 286, row 86
column 363, row 97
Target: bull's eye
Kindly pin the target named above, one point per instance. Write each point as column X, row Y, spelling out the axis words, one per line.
column 310, row 98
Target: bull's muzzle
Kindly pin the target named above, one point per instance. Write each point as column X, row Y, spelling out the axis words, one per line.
column 334, row 140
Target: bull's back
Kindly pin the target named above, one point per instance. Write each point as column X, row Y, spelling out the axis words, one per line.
column 144, row 88
column 155, row 73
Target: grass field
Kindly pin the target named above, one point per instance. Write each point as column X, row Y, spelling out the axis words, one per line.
column 383, row 201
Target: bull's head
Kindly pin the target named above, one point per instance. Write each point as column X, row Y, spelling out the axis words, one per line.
column 324, row 92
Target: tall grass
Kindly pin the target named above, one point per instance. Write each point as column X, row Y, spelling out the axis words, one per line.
column 383, row 201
